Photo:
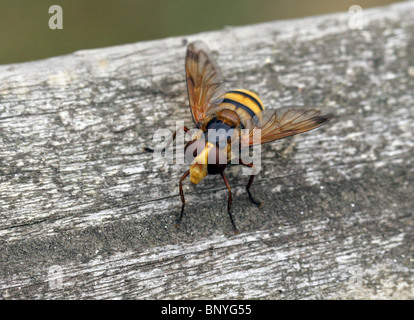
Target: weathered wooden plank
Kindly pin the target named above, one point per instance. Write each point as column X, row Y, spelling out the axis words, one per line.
column 86, row 214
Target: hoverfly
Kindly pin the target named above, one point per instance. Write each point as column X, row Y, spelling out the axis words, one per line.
column 212, row 107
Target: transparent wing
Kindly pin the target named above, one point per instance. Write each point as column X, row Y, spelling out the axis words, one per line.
column 205, row 84
column 282, row 123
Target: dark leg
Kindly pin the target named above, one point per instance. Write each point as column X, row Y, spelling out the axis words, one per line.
column 169, row 141
column 177, row 224
column 226, row 181
column 258, row 203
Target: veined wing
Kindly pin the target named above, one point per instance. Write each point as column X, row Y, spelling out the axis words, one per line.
column 205, row 84
column 282, row 123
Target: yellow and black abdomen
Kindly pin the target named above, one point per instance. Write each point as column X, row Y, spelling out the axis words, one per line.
column 244, row 102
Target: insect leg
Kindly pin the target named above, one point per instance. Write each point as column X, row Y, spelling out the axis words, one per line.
column 169, row 141
column 258, row 203
column 226, row 181
column 177, row 224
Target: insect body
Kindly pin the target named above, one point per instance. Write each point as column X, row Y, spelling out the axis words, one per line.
column 225, row 114
column 233, row 113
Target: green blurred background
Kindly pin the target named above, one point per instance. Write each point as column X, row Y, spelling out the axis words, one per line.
column 25, row 34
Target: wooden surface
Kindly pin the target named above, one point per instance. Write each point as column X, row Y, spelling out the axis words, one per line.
column 86, row 214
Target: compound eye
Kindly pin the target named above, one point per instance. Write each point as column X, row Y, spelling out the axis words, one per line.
column 193, row 148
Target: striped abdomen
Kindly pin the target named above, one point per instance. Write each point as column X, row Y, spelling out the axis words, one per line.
column 244, row 102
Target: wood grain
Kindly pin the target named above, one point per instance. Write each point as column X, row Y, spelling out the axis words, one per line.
column 85, row 213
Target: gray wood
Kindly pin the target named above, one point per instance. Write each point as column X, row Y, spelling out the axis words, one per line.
column 85, row 213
